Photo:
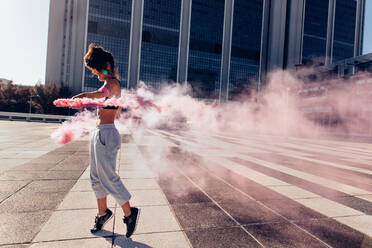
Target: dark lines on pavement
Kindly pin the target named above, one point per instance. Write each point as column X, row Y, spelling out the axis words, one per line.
column 205, row 196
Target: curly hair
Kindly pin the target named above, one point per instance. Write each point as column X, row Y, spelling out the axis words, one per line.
column 97, row 58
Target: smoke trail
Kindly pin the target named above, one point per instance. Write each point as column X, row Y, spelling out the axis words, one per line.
column 284, row 106
column 73, row 129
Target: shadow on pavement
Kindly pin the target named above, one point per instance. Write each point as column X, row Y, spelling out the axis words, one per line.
column 120, row 240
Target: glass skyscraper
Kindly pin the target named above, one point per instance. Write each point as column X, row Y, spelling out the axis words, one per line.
column 218, row 47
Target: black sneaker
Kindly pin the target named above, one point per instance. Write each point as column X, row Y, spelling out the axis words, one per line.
column 101, row 221
column 131, row 221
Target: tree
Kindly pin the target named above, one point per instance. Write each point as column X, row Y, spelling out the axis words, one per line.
column 16, row 98
column 46, row 94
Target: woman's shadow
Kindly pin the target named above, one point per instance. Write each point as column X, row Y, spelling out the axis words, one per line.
column 120, row 240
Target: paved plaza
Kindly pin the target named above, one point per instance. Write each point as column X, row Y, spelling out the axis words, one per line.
column 195, row 189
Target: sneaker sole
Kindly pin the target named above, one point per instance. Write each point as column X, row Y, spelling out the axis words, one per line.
column 104, row 224
column 107, row 221
column 138, row 215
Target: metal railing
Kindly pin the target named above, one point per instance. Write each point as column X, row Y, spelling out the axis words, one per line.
column 12, row 116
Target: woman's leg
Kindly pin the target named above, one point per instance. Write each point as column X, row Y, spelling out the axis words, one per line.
column 106, row 155
column 94, row 179
column 126, row 208
column 104, row 214
column 106, row 167
column 102, row 205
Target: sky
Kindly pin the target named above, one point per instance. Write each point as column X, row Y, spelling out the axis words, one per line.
column 24, row 34
column 367, row 42
column 23, row 40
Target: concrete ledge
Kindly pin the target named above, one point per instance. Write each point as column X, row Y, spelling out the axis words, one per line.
column 32, row 117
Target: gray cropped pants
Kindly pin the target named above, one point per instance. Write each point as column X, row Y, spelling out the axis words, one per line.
column 104, row 146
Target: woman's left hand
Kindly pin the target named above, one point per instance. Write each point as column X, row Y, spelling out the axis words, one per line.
column 81, row 95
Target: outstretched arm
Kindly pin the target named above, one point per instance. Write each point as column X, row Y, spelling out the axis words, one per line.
column 94, row 94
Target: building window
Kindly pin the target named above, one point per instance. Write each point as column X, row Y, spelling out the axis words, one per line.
column 160, row 35
column 206, row 33
column 92, row 27
column 315, row 32
column 344, row 36
column 245, row 47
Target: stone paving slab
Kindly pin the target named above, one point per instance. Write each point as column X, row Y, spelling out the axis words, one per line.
column 82, row 200
column 153, row 219
column 44, row 186
column 15, row 246
column 221, row 238
column 366, row 197
column 8, row 163
column 126, row 174
column 21, row 175
column 148, row 197
column 133, row 165
column 27, row 200
column 7, row 188
column 21, row 227
column 77, row 243
column 130, row 184
column 153, row 240
column 361, row 223
column 71, row 224
column 136, row 174
column 330, row 208
column 294, row 192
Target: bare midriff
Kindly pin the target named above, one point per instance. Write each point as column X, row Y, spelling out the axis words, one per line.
column 106, row 116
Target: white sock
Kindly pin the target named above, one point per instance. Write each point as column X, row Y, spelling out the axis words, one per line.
column 101, row 215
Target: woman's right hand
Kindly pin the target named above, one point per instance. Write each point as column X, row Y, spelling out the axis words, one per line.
column 75, row 97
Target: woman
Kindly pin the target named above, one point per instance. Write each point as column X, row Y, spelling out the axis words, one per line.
column 105, row 143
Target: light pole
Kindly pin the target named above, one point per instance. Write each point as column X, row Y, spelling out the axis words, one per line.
column 30, row 102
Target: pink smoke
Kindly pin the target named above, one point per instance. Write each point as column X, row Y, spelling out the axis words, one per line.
column 129, row 101
column 280, row 108
column 73, row 129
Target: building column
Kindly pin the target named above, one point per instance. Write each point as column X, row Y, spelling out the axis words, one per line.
column 135, row 43
column 295, row 31
column 226, row 50
column 81, row 8
column 264, row 43
column 330, row 31
column 85, row 45
column 359, row 28
column 67, row 33
column 184, row 41
column 276, row 35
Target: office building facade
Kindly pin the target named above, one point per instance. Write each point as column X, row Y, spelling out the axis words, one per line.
column 219, row 47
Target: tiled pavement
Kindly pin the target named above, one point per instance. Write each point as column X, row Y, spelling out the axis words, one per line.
column 70, row 224
column 218, row 190
column 265, row 191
